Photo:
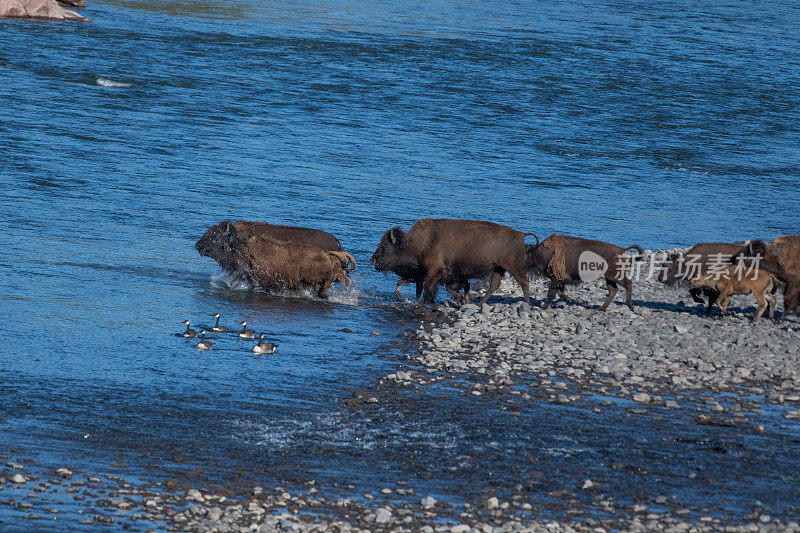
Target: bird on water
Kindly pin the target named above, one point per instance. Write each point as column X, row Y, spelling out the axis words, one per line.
column 203, row 344
column 264, row 347
column 246, row 333
column 217, row 327
column 189, row 332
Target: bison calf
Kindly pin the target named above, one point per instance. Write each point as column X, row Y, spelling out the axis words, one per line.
column 733, row 280
column 697, row 262
column 560, row 258
column 276, row 265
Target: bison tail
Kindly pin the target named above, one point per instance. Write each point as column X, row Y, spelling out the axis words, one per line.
column 526, row 234
column 634, row 247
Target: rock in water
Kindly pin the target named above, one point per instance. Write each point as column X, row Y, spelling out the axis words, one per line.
column 383, row 516
column 37, row 9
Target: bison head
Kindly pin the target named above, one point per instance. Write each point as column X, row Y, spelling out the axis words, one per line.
column 216, row 243
column 537, row 257
column 670, row 269
column 392, row 252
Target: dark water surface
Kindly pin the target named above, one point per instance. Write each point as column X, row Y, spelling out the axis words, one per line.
column 121, row 140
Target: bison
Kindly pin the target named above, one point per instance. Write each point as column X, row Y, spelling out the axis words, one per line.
column 681, row 269
column 214, row 242
column 567, row 260
column 452, row 252
column 781, row 258
column 246, row 249
column 277, row 265
column 733, row 280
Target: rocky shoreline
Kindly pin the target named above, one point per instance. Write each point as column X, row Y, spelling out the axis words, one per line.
column 665, row 351
column 666, row 357
column 111, row 501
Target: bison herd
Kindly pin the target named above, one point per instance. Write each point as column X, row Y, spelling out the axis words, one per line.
column 453, row 252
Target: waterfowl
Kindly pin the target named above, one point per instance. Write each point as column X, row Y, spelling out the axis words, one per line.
column 217, row 327
column 189, row 333
column 246, row 333
column 264, row 347
column 203, row 344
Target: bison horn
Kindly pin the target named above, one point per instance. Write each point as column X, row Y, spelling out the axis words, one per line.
column 395, row 234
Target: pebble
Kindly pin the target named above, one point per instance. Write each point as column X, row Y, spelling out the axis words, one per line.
column 383, row 516
column 427, row 502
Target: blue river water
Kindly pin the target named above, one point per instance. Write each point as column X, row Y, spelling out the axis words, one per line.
column 123, row 139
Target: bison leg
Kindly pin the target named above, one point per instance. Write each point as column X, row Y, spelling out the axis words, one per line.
column 713, row 295
column 400, row 283
column 494, row 284
column 551, row 293
column 564, row 296
column 791, row 297
column 695, row 293
column 628, row 284
column 453, row 290
column 465, row 285
column 612, row 291
column 771, row 301
column 419, row 289
column 723, row 300
column 522, row 278
column 431, row 287
column 322, row 288
column 762, row 305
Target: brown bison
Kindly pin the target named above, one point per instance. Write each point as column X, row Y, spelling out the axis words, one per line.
column 247, row 250
column 733, row 280
column 681, row 269
column 451, row 252
column 214, row 242
column 276, row 265
column 571, row 260
column 781, row 258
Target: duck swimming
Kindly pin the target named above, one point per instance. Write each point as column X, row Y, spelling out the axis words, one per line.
column 203, row 344
column 217, row 327
column 264, row 347
column 246, row 333
column 189, row 333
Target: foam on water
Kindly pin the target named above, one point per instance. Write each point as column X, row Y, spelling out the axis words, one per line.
column 105, row 82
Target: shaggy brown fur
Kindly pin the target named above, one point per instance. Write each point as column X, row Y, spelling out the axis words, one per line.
column 452, row 252
column 781, row 258
column 557, row 267
column 558, row 256
column 215, row 242
column 733, row 280
column 347, row 260
column 276, row 265
column 678, row 270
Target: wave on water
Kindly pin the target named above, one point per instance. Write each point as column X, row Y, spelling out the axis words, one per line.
column 336, row 429
column 337, row 294
column 105, row 82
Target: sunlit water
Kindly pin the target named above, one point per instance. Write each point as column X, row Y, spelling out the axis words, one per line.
column 123, row 139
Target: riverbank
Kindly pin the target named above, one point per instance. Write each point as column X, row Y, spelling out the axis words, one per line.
column 55, row 497
column 688, row 399
column 665, row 352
